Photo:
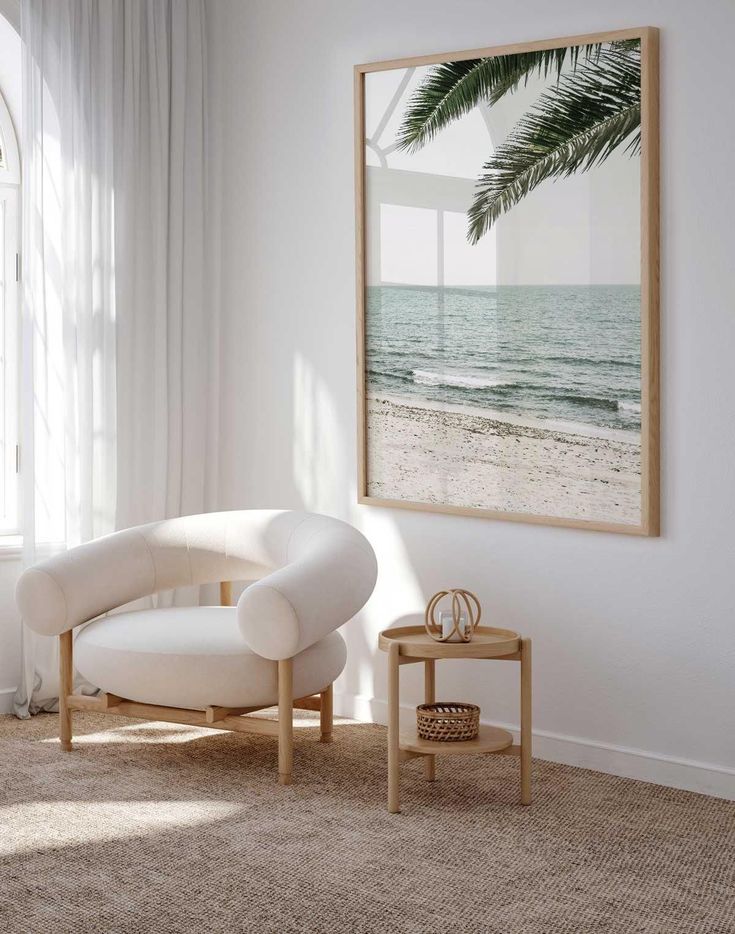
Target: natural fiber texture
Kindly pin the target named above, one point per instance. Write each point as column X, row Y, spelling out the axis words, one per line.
column 448, row 722
column 161, row 829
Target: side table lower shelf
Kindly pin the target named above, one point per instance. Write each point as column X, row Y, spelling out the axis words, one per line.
column 491, row 739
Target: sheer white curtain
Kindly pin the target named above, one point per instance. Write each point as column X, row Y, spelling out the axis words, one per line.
column 118, row 394
column 165, row 346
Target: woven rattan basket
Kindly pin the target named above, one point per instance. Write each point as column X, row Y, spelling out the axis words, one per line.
column 448, row 721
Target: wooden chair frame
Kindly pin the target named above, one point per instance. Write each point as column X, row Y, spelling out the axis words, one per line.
column 218, row 718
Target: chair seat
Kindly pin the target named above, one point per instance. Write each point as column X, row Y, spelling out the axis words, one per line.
column 194, row 657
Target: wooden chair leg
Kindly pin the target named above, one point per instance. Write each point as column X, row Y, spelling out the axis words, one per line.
column 225, row 593
column 326, row 714
column 285, row 720
column 66, row 687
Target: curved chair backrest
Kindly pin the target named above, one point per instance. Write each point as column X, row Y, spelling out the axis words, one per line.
column 312, row 574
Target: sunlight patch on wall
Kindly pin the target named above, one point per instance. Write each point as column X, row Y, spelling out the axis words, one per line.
column 396, row 593
column 318, row 466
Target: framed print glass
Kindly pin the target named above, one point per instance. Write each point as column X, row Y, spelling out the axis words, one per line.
column 507, row 265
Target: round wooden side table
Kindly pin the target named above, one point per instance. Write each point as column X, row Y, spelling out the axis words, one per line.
column 407, row 645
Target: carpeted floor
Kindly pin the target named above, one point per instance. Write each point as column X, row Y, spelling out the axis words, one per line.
column 146, row 829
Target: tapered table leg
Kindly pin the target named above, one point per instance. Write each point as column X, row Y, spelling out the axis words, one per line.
column 394, row 800
column 525, row 721
column 429, row 698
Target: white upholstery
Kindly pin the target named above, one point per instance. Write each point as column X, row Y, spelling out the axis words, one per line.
column 192, row 657
column 312, row 573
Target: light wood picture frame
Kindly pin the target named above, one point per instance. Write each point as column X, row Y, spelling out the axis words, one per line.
column 508, row 284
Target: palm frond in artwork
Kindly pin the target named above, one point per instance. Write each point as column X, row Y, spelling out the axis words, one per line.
column 573, row 126
column 452, row 89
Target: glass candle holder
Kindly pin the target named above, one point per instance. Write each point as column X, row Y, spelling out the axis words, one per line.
column 449, row 634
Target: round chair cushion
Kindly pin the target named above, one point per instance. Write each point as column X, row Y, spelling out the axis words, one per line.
column 194, row 657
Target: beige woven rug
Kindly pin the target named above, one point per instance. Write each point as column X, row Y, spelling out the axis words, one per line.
column 156, row 828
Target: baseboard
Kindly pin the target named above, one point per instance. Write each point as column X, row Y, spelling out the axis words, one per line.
column 6, row 699
column 702, row 777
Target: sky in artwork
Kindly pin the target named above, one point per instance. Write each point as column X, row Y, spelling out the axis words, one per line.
column 579, row 230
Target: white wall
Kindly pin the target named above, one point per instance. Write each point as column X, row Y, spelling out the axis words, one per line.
column 634, row 640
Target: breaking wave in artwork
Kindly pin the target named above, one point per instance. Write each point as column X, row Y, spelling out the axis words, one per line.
column 568, row 353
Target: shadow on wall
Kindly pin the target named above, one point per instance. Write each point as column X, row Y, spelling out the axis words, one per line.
column 416, row 558
column 314, row 468
column 420, row 554
column 417, row 554
column 325, row 478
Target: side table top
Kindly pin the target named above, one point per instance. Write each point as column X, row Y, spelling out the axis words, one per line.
column 415, row 642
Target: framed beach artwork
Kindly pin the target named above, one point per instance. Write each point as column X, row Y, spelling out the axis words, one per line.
column 507, row 235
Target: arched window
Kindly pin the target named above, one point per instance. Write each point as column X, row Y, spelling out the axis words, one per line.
column 9, row 321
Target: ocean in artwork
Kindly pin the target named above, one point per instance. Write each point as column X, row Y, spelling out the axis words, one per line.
column 555, row 353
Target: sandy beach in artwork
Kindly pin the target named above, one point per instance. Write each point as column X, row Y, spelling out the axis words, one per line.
column 438, row 453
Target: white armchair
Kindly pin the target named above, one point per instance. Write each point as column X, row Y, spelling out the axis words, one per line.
column 207, row 666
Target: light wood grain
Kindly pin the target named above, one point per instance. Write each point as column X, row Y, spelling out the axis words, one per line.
column 258, row 725
column 514, row 751
column 649, row 524
column 489, row 739
column 84, row 702
column 360, row 221
column 183, row 715
column 526, row 735
column 100, row 703
column 405, row 756
column 234, row 723
column 285, row 720
column 394, row 775
column 142, row 711
column 326, row 714
column 66, row 687
column 650, row 268
column 415, row 642
column 561, row 42
column 225, row 593
column 429, row 698
column 213, row 714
